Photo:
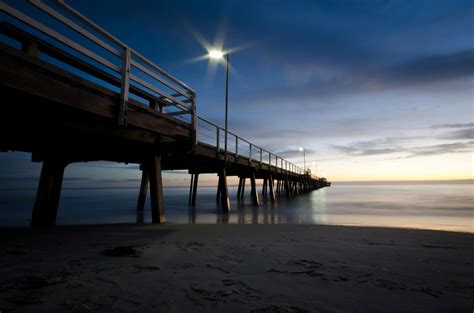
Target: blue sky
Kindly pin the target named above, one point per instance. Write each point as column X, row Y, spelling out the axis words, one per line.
column 372, row 89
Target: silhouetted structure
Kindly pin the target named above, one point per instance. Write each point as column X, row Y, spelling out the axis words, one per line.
column 66, row 103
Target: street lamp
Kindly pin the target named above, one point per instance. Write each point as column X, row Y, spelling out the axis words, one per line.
column 218, row 55
column 304, row 157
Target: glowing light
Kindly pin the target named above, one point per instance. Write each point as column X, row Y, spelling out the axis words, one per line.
column 301, row 149
column 216, row 54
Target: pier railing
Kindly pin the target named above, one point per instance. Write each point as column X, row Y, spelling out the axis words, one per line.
column 214, row 135
column 106, row 58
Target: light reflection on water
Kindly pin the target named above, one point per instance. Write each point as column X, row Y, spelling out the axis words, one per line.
column 436, row 206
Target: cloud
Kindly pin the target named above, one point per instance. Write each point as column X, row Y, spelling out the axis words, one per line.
column 463, row 130
column 381, row 147
column 467, row 133
column 431, row 68
column 453, row 125
column 423, row 71
column 457, row 147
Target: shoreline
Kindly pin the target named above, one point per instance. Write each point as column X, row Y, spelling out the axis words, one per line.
column 368, row 226
column 235, row 268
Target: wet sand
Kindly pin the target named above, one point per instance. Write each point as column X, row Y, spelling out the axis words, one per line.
column 235, row 268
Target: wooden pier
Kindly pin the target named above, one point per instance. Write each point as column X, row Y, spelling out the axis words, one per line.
column 65, row 102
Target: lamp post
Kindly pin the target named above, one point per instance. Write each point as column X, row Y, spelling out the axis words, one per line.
column 304, row 157
column 217, row 55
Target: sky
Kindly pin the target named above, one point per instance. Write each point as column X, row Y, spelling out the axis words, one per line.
column 373, row 90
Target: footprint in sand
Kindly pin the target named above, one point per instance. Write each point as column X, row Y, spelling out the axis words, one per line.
column 192, row 246
column 280, row 309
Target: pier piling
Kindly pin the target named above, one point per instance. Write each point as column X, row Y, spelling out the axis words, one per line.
column 45, row 208
column 253, row 191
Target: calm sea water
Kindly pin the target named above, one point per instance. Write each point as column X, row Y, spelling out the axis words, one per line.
column 429, row 206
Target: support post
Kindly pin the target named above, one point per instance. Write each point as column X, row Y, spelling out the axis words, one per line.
column 196, row 178
column 243, row 188
column 239, row 188
column 272, row 190
column 46, row 204
column 156, row 186
column 264, row 186
column 143, row 189
column 287, row 188
column 219, row 188
column 191, row 189
column 254, row 190
column 224, row 191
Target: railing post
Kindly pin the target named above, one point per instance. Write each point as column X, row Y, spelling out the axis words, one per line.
column 193, row 122
column 217, row 142
column 261, row 151
column 124, row 87
column 236, row 147
column 225, row 145
column 250, row 153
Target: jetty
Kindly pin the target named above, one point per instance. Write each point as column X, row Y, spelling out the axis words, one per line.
column 73, row 92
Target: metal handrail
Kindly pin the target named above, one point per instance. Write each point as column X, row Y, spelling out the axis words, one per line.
column 279, row 163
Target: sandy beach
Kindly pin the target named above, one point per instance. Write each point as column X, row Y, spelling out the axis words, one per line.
column 235, row 268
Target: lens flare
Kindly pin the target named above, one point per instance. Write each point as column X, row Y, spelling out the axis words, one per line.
column 216, row 54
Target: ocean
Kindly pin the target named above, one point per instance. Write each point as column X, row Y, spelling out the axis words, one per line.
column 426, row 206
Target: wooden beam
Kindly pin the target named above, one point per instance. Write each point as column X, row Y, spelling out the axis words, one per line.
column 143, row 188
column 219, row 188
column 46, row 204
column 254, row 193
column 156, row 187
column 239, row 188
column 224, row 191
column 191, row 189
column 272, row 190
column 56, row 187
column 287, row 188
column 196, row 178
